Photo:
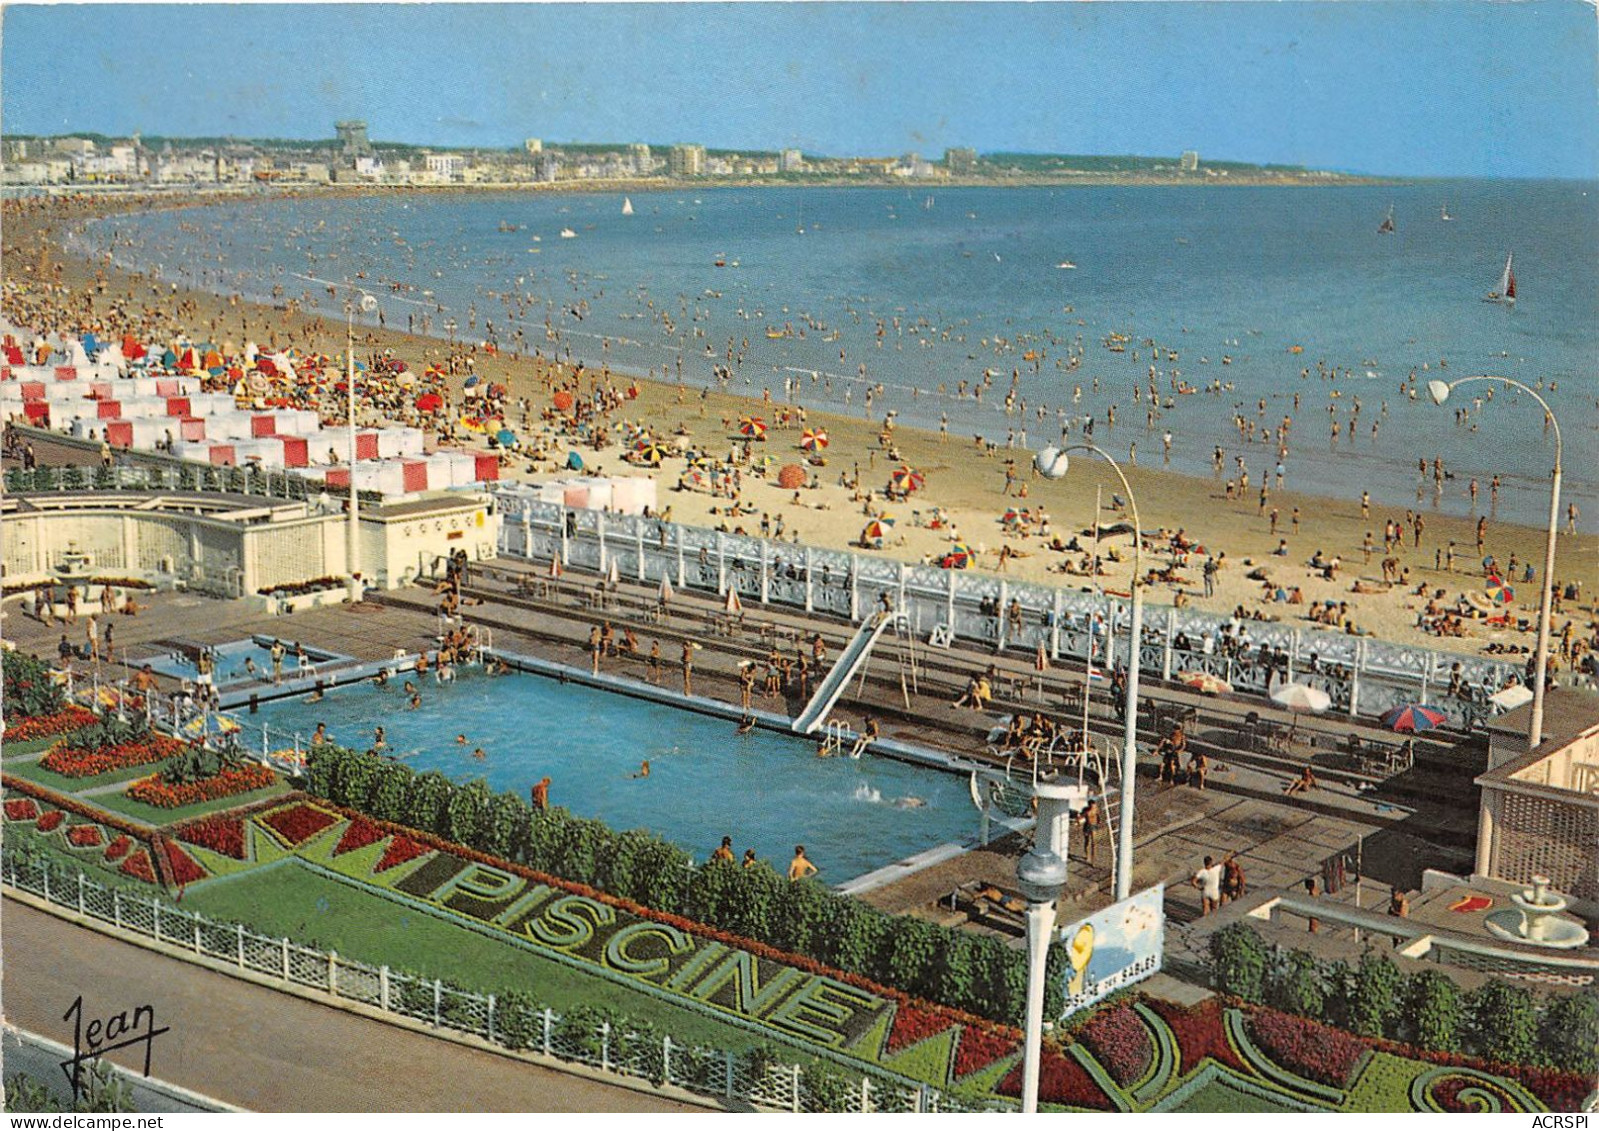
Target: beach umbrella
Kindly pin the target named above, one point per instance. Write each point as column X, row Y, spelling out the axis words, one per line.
column 734, row 605
column 791, row 477
column 813, row 439
column 429, row 402
column 1204, row 682
column 1499, row 591
column 958, row 556
column 874, row 531
column 1413, row 718
column 666, row 589
column 471, row 382
column 555, row 567
column 1513, row 695
column 562, row 401
column 648, row 451
column 753, row 427
column 574, row 461
column 614, row 574
column 506, row 437
column 907, row 479
column 1301, row 698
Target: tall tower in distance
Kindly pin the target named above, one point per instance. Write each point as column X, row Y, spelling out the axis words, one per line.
column 353, row 140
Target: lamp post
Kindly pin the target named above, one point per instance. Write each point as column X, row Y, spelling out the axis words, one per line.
column 1041, row 875
column 1124, row 851
column 1439, row 392
column 353, row 555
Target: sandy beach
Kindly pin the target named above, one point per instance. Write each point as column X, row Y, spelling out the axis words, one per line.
column 966, row 484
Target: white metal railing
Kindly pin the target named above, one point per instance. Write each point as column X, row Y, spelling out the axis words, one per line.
column 517, row 1024
column 1364, row 676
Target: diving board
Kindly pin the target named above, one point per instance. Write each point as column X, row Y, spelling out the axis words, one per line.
column 854, row 655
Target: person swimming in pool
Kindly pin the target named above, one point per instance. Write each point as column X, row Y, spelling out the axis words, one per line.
column 745, row 725
column 643, row 770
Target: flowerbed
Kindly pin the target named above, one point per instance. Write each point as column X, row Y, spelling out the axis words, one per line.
column 298, row 823
column 118, row 848
column 980, row 1047
column 359, row 833
column 164, row 795
column 223, row 835
column 181, row 865
column 139, row 867
column 21, row 809
column 71, row 762
column 1306, row 1048
column 84, row 836
column 1199, row 1032
column 49, row 821
column 64, row 721
column 912, row 1024
column 1119, row 1041
column 400, row 849
column 1061, row 1080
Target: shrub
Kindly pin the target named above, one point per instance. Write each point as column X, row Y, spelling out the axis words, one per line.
column 425, row 800
column 500, row 820
column 28, row 690
column 1433, row 1011
column 1375, row 996
column 1570, row 1033
column 463, row 813
column 1295, row 985
column 1504, row 1023
column 389, row 787
column 1238, row 962
column 909, row 953
column 519, row 1020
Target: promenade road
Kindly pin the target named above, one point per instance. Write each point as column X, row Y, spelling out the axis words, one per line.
column 267, row 1051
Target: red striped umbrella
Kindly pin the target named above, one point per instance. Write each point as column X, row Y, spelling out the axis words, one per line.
column 1414, row 717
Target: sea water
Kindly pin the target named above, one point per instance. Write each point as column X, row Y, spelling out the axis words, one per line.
column 926, row 287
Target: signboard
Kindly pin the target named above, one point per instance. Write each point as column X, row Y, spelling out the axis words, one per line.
column 1114, row 948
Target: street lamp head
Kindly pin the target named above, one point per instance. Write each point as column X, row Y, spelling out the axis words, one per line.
column 1438, row 391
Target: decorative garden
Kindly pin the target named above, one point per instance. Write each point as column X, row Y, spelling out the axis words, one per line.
column 640, row 938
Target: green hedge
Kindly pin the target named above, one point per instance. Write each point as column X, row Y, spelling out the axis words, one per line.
column 1499, row 1021
column 975, row 973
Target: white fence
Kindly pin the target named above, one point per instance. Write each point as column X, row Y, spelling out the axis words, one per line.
column 1364, row 676
column 754, row 1077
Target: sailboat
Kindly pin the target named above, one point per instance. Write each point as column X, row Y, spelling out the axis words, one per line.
column 1386, row 228
column 627, row 206
column 1506, row 293
column 1443, row 213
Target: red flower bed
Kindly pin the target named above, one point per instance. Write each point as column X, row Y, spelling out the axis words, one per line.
column 182, row 866
column 67, row 803
column 21, row 809
column 400, row 849
column 1307, row 1048
column 1200, row 1032
column 980, row 1047
column 298, row 823
column 1561, row 1091
column 359, row 834
column 50, row 820
column 84, row 836
column 154, row 791
column 71, row 762
column 64, row 721
column 1061, row 1080
column 1119, row 1041
column 139, row 867
column 912, row 1024
column 224, row 835
column 118, row 848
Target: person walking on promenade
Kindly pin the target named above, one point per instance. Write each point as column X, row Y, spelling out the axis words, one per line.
column 1208, row 881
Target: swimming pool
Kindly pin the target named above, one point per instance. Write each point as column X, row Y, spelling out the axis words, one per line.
column 767, row 790
column 231, row 657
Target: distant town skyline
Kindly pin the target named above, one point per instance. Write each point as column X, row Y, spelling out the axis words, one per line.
column 1459, row 88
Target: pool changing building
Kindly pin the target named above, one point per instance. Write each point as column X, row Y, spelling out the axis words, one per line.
column 235, row 545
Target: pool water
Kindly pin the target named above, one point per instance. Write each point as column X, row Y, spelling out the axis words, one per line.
column 230, row 659
column 766, row 790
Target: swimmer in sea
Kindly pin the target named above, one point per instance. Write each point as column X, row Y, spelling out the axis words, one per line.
column 909, row 802
column 643, row 770
column 315, row 696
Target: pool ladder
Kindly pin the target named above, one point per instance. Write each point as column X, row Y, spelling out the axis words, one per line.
column 836, row 740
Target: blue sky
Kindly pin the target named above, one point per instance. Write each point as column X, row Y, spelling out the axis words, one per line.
column 1441, row 88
